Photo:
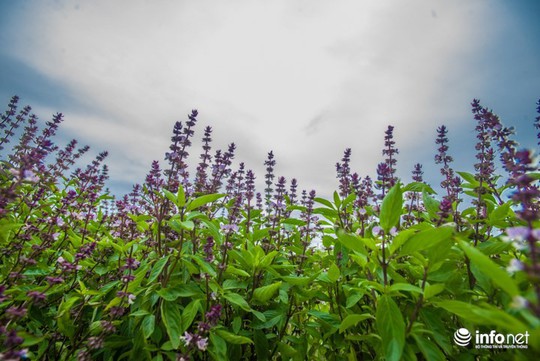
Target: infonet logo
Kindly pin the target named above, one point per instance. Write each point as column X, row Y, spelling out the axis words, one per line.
column 463, row 337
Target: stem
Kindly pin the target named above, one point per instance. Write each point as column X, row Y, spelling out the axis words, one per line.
column 418, row 303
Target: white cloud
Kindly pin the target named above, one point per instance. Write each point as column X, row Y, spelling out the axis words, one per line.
column 305, row 78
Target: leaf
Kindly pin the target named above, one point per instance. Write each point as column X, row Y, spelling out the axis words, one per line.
column 178, row 226
column 469, row 178
column 64, row 322
column 148, row 325
column 396, row 287
column 170, row 196
column 157, row 269
column 324, row 202
column 333, row 273
column 418, row 187
column 433, row 290
column 352, row 242
column 293, row 222
column 329, row 214
column 172, row 319
column 232, row 338
column 498, row 275
column 352, row 320
column 426, row 239
column 237, row 300
column 202, row 200
column 180, row 196
column 391, row 327
column 297, row 280
column 485, row 315
column 337, row 200
column 189, row 313
column 172, row 293
column 429, row 349
column 499, row 214
column 236, row 271
column 265, row 293
column 431, row 204
column 391, row 208
column 329, row 319
column 400, row 239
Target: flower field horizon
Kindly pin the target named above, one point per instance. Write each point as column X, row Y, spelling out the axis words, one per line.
column 199, row 264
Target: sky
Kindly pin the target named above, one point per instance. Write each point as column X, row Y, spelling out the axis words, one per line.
column 303, row 78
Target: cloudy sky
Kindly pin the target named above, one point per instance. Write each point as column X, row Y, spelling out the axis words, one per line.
column 305, row 79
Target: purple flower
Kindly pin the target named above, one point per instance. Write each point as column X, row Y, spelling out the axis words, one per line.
column 16, row 312
column 214, row 314
column 2, row 296
column 229, row 228
column 187, row 338
column 54, row 280
column 132, row 263
column 202, row 343
column 514, row 266
column 95, row 342
column 208, row 250
column 36, row 296
column 117, row 311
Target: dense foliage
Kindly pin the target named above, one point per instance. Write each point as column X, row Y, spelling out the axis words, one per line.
column 203, row 267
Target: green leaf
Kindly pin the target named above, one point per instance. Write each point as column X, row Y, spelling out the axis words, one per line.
column 499, row 214
column 324, row 202
column 178, row 226
column 469, row 178
column 172, row 319
column 237, row 300
column 293, row 222
column 431, row 204
column 218, row 347
column 352, row 242
column 498, row 275
column 202, row 200
column 483, row 315
column 418, row 187
column 64, row 322
column 352, row 320
column 232, row 338
column 236, row 271
column 180, row 197
column 391, row 327
column 391, row 208
column 333, row 273
column 170, row 196
column 189, row 313
column 157, row 269
column 172, row 293
column 337, row 200
column 426, row 239
column 329, row 319
column 148, row 325
column 433, row 290
column 396, row 287
column 429, row 349
column 265, row 293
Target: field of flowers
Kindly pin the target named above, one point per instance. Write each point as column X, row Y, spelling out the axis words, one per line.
column 203, row 266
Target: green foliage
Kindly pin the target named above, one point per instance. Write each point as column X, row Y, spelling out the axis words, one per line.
column 184, row 271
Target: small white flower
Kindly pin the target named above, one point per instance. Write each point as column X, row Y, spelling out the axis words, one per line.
column 202, row 344
column 519, row 302
column 376, row 230
column 131, row 298
column 514, row 266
